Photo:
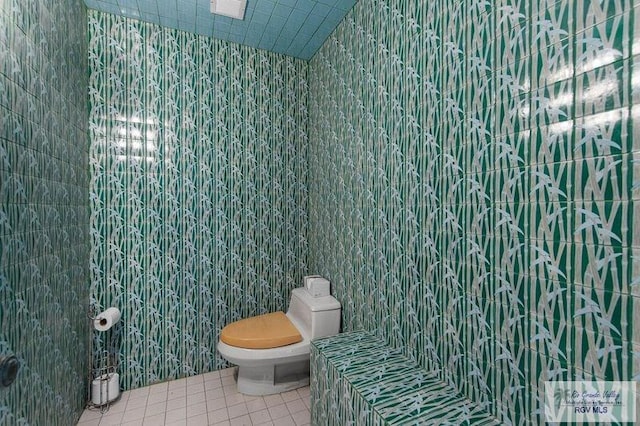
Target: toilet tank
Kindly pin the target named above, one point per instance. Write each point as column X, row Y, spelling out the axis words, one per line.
column 319, row 316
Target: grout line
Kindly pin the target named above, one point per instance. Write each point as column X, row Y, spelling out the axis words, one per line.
column 211, row 395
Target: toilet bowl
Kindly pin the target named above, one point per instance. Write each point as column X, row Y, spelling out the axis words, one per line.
column 272, row 350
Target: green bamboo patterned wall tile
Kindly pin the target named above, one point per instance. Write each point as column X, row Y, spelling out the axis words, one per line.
column 44, row 214
column 198, row 195
column 379, row 385
column 471, row 194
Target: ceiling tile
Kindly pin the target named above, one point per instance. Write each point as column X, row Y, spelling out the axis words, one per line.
column 292, row 27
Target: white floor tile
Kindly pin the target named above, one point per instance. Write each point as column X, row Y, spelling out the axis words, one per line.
column 207, row 399
column 196, row 398
column 211, row 375
column 228, row 380
column 178, row 383
column 290, row 396
column 196, row 409
column 176, row 415
column 248, row 398
column 284, row 421
column 229, row 389
column 258, row 417
column 177, row 393
column 136, row 402
column 302, row 417
column 227, row 372
column 215, row 393
column 156, row 420
column 217, row 416
column 155, row 398
column 90, row 415
column 241, row 421
column 139, row 422
column 155, row 409
column 256, row 405
column 117, row 406
column 216, row 404
column 195, row 379
column 213, row 384
column 304, row 392
column 159, row 388
column 273, row 400
column 93, row 422
column 195, row 388
column 201, row 420
column 136, row 393
column 111, row 419
column 134, row 414
column 124, row 396
column 278, row 411
column 234, row 398
column 296, row 405
column 237, row 410
column 174, row 404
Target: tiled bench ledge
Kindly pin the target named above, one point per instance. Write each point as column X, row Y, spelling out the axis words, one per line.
column 357, row 380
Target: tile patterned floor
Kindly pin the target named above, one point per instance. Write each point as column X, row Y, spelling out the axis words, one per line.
column 208, row 399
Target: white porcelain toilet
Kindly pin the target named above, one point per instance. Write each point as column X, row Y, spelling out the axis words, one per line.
column 272, row 350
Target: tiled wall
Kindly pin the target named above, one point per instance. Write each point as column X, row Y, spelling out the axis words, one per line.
column 356, row 379
column 44, row 212
column 198, row 189
column 473, row 189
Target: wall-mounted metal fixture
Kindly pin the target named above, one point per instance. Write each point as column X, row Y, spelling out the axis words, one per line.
column 9, row 366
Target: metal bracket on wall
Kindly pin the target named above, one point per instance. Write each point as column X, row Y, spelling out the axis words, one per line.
column 9, row 366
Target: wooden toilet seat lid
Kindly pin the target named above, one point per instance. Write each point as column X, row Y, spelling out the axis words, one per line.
column 261, row 332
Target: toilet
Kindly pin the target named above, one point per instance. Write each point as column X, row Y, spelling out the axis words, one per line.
column 272, row 350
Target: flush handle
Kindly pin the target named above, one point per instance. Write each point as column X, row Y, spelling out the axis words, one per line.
column 9, row 366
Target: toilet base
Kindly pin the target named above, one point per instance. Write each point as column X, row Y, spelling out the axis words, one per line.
column 270, row 379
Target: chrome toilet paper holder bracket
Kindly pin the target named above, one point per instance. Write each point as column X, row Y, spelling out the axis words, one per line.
column 9, row 366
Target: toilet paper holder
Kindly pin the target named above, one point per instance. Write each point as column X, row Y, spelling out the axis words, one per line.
column 104, row 387
column 9, row 366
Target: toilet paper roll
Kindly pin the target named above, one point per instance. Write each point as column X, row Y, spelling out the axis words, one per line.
column 105, row 388
column 105, row 320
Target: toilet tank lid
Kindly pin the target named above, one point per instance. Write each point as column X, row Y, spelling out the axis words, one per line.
column 316, row 304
